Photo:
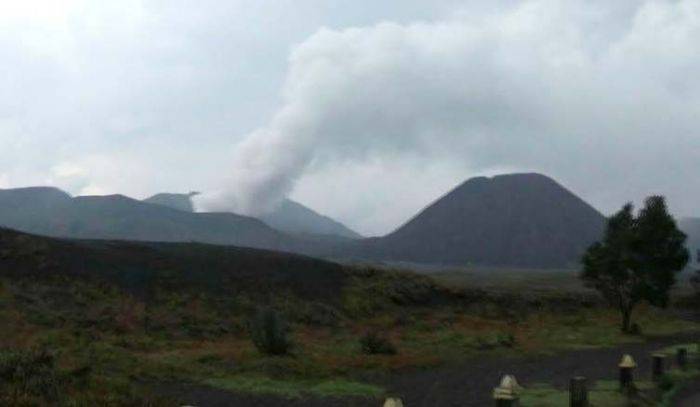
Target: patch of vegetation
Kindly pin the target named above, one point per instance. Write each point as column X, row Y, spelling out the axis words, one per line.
column 674, row 380
column 29, row 377
column 603, row 393
column 607, row 393
column 129, row 316
column 373, row 343
column 270, row 332
column 296, row 388
column 372, row 291
column 496, row 340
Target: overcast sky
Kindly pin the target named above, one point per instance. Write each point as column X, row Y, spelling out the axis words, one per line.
column 363, row 110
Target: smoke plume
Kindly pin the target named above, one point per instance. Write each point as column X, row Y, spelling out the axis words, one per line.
column 544, row 85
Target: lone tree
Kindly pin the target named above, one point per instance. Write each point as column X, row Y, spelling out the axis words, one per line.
column 638, row 258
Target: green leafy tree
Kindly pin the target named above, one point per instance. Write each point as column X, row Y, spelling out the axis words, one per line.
column 638, row 258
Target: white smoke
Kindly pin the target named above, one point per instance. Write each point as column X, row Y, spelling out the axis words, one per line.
column 546, row 84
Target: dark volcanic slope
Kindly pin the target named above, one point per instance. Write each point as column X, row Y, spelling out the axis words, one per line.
column 194, row 266
column 51, row 212
column 521, row 220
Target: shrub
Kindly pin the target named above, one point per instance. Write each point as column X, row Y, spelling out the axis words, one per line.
column 494, row 341
column 665, row 383
column 404, row 319
column 270, row 332
column 635, row 329
column 507, row 340
column 29, row 377
column 374, row 344
column 319, row 314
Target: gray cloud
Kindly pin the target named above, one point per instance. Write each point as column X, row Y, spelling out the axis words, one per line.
column 161, row 87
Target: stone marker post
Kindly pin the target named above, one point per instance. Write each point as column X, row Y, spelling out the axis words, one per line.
column 627, row 365
column 682, row 357
column 393, row 402
column 658, row 366
column 578, row 392
column 507, row 393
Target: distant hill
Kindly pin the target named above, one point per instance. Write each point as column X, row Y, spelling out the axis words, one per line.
column 691, row 227
column 182, row 202
column 518, row 220
column 289, row 217
column 293, row 217
column 51, row 212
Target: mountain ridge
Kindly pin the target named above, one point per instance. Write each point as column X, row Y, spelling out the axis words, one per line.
column 45, row 211
column 289, row 216
column 525, row 220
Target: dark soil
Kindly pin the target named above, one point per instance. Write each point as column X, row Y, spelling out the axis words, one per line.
column 469, row 384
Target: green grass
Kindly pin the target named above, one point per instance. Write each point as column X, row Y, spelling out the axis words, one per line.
column 605, row 393
column 679, row 378
column 692, row 348
column 346, row 388
column 295, row 388
column 513, row 280
column 202, row 338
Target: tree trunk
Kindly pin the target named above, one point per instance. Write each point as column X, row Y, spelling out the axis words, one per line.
column 626, row 319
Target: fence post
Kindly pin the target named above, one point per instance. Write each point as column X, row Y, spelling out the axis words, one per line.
column 627, row 365
column 657, row 366
column 578, row 392
column 506, row 394
column 682, row 358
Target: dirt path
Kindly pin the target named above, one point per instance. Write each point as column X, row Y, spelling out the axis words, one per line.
column 467, row 385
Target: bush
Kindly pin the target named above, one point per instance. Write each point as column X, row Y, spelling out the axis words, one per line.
column 507, row 340
column 635, row 329
column 494, row 341
column 666, row 383
column 270, row 332
column 29, row 377
column 374, row 344
column 319, row 314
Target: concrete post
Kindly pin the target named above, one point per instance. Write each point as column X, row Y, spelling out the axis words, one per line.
column 627, row 365
column 682, row 358
column 507, row 393
column 393, row 402
column 658, row 366
column 578, row 392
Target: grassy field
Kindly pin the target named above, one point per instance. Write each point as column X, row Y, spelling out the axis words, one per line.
column 104, row 347
column 92, row 331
